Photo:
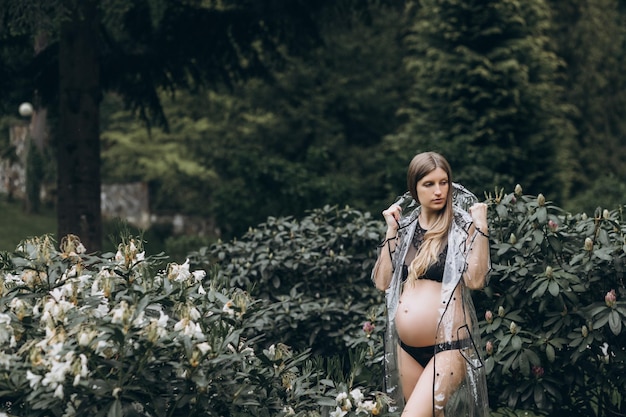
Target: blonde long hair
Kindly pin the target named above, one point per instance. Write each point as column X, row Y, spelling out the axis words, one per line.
column 436, row 237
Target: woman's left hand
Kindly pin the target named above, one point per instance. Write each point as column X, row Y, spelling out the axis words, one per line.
column 479, row 215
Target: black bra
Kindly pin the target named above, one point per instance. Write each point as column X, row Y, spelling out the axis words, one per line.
column 434, row 272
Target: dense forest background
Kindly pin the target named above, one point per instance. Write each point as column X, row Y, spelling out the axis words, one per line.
column 295, row 106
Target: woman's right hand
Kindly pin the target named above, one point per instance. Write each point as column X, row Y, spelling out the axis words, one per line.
column 392, row 216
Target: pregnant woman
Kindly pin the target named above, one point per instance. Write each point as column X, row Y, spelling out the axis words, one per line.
column 434, row 252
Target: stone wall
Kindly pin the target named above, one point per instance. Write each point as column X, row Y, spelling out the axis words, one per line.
column 129, row 202
column 12, row 166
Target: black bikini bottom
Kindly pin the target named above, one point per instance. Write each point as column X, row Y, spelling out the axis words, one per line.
column 424, row 354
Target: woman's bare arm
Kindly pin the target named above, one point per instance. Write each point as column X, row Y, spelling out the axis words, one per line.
column 383, row 269
column 478, row 248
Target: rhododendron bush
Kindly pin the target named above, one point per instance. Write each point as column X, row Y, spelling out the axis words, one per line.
column 555, row 312
column 285, row 320
column 123, row 334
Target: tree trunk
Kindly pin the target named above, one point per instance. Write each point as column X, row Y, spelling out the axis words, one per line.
column 78, row 145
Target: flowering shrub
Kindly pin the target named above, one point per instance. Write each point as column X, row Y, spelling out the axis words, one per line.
column 125, row 334
column 286, row 322
column 317, row 269
column 555, row 312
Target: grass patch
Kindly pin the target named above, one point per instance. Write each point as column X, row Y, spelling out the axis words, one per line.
column 17, row 225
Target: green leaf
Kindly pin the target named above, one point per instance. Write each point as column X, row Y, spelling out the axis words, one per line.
column 116, row 409
column 554, row 288
column 615, row 323
column 556, row 244
column 524, row 364
column 539, row 396
column 502, row 211
column 604, row 254
column 542, row 215
column 601, row 320
column 504, row 342
column 550, row 353
column 539, row 292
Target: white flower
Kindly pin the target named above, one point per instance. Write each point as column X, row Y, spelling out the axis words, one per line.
column 139, row 320
column 347, row 405
column 204, row 347
column 85, row 337
column 56, row 376
column 198, row 275
column 357, row 395
column 82, row 371
column 119, row 313
column 189, row 328
column 102, row 310
column 341, row 396
column 27, row 276
column 179, row 273
column 272, row 351
column 228, row 308
column 33, row 379
column 366, row 407
column 5, row 360
column 338, row 412
column 6, row 331
column 58, row 392
column 158, row 327
column 194, row 314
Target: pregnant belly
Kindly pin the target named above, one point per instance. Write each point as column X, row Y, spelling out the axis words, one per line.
column 418, row 313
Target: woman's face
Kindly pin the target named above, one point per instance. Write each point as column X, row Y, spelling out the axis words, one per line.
column 432, row 190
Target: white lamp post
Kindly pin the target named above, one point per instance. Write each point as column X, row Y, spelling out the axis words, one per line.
column 26, row 109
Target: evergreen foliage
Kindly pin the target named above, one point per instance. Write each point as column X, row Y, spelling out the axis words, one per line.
column 589, row 37
column 311, row 137
column 485, row 92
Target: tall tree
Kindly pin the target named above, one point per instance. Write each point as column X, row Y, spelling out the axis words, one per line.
column 78, row 141
column 310, row 137
column 590, row 36
column 136, row 48
column 485, row 92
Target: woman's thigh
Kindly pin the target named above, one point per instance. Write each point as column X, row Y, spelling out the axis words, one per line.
column 423, row 396
column 410, row 372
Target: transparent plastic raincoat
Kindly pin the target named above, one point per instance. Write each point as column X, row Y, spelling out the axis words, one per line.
column 457, row 316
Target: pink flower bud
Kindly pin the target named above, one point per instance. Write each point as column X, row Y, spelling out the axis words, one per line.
column 368, row 328
column 553, row 225
column 489, row 348
column 610, row 298
column 538, row 371
column 489, row 316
